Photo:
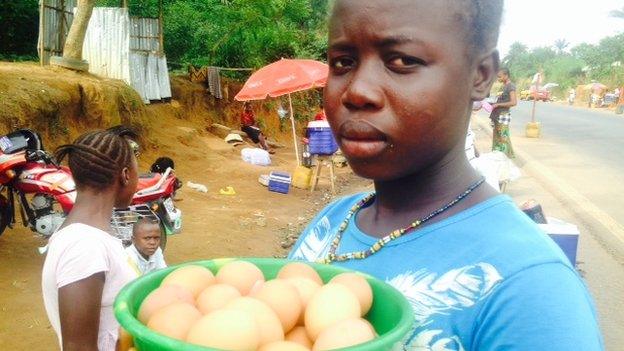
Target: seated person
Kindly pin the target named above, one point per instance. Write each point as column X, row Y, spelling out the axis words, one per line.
column 249, row 126
column 145, row 253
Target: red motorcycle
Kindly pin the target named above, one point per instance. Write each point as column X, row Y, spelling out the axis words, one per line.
column 46, row 191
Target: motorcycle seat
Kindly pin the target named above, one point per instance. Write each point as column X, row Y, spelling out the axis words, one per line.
column 148, row 180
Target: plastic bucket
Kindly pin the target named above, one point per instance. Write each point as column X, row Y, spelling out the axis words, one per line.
column 391, row 313
column 302, row 177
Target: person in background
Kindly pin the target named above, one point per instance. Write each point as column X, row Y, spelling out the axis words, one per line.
column 249, row 126
column 571, row 96
column 477, row 272
column 320, row 116
column 145, row 252
column 501, row 115
column 86, row 266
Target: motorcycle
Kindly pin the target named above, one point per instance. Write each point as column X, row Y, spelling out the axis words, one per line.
column 46, row 191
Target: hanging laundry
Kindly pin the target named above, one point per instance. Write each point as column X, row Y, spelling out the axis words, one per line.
column 214, row 82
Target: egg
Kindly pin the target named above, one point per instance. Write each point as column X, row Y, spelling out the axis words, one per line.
column 299, row 270
column 284, row 299
column 161, row 297
column 306, row 289
column 226, row 329
column 193, row 278
column 240, row 274
column 348, row 332
column 300, row 336
column 359, row 286
column 268, row 322
column 124, row 340
column 283, row 346
column 174, row 320
column 331, row 304
column 216, row 297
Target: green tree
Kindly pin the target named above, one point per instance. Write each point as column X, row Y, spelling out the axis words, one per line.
column 20, row 24
column 561, row 45
column 617, row 13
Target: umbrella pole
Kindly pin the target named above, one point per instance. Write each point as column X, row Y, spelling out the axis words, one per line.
column 292, row 121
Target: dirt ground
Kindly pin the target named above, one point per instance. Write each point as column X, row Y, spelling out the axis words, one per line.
column 254, row 222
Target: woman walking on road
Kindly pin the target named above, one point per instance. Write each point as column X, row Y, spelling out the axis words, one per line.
column 501, row 117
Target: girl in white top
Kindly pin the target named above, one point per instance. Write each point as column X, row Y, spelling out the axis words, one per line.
column 86, row 266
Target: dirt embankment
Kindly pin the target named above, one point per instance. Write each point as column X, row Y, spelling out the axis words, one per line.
column 61, row 104
column 254, row 222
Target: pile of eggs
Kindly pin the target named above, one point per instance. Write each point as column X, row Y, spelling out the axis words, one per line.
column 239, row 310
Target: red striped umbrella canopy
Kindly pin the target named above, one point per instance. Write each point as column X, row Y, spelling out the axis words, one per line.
column 284, row 77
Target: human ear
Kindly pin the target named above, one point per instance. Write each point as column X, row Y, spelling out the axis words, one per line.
column 485, row 75
column 124, row 176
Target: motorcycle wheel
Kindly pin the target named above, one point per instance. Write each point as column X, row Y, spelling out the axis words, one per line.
column 4, row 214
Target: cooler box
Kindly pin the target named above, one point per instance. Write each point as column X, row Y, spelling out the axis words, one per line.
column 321, row 139
column 566, row 235
column 279, row 182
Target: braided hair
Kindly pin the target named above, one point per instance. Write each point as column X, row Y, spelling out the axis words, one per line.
column 96, row 158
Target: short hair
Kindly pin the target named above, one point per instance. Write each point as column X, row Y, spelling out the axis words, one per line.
column 143, row 221
column 161, row 164
column 505, row 71
column 484, row 20
column 96, row 158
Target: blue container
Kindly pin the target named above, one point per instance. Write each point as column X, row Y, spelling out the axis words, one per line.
column 568, row 244
column 321, row 139
column 565, row 235
column 279, row 182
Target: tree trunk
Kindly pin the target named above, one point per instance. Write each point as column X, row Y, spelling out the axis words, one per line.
column 76, row 35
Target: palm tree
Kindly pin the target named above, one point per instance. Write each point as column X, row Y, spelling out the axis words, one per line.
column 560, row 45
column 617, row 13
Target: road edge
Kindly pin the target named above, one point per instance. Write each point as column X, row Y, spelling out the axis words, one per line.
column 606, row 229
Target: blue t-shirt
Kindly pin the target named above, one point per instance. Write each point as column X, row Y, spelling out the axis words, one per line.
column 484, row 279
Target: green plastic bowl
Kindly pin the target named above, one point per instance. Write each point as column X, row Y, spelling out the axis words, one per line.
column 391, row 314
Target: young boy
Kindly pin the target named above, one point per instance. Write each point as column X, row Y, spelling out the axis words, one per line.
column 145, row 252
column 478, row 273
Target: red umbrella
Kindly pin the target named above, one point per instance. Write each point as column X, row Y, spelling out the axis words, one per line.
column 284, row 77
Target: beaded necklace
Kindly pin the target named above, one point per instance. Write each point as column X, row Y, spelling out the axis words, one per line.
column 333, row 257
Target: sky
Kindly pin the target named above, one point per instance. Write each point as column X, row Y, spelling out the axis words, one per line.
column 541, row 22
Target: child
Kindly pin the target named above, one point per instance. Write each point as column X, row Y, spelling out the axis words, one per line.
column 145, row 252
column 478, row 273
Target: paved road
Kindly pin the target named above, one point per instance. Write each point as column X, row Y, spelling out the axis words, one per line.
column 597, row 262
column 583, row 147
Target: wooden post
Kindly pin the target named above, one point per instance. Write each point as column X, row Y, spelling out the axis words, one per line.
column 61, row 31
column 533, row 111
column 161, row 49
column 41, row 31
column 292, row 121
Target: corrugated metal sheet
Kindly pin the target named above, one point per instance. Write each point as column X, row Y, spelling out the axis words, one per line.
column 58, row 16
column 123, row 47
column 107, row 42
column 144, row 34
